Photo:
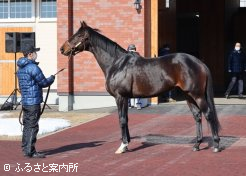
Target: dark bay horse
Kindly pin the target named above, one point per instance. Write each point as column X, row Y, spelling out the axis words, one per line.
column 129, row 75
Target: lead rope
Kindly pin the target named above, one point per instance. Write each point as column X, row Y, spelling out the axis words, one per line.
column 21, row 119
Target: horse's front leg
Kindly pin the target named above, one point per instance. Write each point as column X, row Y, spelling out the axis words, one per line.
column 122, row 104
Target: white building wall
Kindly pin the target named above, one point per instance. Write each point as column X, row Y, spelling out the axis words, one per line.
column 46, row 39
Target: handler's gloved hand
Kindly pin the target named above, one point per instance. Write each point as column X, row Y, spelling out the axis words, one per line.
column 52, row 77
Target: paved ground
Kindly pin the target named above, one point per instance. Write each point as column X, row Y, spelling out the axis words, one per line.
column 162, row 139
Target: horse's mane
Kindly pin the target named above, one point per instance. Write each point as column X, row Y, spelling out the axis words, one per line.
column 105, row 43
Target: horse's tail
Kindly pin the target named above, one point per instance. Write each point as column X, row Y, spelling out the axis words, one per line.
column 215, row 124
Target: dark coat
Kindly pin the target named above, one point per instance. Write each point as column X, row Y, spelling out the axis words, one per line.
column 236, row 62
column 31, row 81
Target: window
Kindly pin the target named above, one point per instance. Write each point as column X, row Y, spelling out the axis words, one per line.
column 3, row 9
column 24, row 10
column 20, row 9
column 48, row 8
column 242, row 3
column 16, row 9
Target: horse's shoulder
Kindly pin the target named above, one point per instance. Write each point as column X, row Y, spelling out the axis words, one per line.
column 123, row 61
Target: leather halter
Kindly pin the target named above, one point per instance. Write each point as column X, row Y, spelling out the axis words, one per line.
column 74, row 47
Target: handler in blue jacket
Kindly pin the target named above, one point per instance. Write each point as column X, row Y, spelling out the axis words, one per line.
column 31, row 81
column 236, row 66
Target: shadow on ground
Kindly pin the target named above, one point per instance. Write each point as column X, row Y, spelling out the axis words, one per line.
column 72, row 147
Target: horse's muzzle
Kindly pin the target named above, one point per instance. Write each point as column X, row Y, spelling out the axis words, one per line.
column 62, row 50
column 65, row 51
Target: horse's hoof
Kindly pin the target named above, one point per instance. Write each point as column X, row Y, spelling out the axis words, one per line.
column 121, row 150
column 216, row 150
column 195, row 149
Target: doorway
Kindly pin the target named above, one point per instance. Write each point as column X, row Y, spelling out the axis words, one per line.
column 188, row 33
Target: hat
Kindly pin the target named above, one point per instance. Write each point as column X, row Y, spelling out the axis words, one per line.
column 131, row 47
column 29, row 49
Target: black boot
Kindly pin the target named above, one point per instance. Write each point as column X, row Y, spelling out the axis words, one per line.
column 35, row 155
column 38, row 155
column 226, row 96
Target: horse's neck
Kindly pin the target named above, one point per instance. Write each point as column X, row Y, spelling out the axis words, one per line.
column 105, row 55
column 104, row 60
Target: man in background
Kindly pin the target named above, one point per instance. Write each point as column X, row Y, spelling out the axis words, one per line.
column 236, row 67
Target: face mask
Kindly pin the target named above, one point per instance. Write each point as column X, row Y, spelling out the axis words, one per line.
column 237, row 48
column 34, row 56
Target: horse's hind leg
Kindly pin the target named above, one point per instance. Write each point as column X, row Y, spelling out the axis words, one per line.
column 209, row 115
column 198, row 118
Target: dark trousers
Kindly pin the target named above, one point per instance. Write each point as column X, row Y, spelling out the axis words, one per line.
column 31, row 116
column 234, row 78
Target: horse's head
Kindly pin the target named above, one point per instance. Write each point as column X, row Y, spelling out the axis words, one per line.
column 78, row 42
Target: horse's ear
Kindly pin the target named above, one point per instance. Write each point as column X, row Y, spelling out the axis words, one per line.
column 83, row 24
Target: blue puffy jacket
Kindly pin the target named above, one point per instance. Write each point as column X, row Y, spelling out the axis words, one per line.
column 31, row 81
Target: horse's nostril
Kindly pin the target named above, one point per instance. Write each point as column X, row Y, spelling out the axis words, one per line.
column 62, row 50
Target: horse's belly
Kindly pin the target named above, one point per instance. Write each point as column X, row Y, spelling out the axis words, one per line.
column 146, row 89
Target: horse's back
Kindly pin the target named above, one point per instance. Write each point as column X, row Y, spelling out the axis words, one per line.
column 187, row 62
column 141, row 77
column 181, row 57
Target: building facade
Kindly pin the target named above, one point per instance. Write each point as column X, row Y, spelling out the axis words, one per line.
column 82, row 84
column 204, row 28
column 37, row 16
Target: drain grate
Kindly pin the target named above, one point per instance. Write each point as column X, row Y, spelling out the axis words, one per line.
column 225, row 141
